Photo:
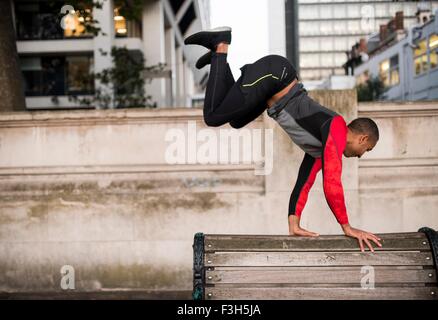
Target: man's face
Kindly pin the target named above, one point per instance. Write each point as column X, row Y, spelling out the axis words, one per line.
column 359, row 144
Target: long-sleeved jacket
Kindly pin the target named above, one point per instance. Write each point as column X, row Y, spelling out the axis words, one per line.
column 322, row 134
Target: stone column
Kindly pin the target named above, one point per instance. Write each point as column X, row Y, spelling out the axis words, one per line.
column 154, row 47
column 102, row 45
column 171, row 84
column 180, row 86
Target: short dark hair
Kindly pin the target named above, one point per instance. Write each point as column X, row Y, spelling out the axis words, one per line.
column 365, row 126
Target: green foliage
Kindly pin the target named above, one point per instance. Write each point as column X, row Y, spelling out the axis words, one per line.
column 122, row 85
column 371, row 90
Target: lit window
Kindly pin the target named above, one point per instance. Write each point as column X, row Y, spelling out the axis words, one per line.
column 421, row 48
column 119, row 24
column 420, row 57
column 433, row 48
column 383, row 71
column 73, row 25
column 434, row 58
column 389, row 71
column 394, row 77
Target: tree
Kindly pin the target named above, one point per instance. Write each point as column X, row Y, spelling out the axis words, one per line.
column 11, row 86
column 125, row 79
column 371, row 90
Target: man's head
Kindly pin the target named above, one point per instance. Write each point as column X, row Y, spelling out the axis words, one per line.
column 362, row 136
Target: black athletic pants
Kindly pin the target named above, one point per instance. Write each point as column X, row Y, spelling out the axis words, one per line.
column 239, row 102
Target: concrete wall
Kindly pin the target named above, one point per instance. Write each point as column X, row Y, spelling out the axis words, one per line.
column 93, row 189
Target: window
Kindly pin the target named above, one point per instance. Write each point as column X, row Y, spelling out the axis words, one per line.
column 309, row 44
column 78, row 70
column 326, row 11
column 389, row 71
column 340, row 59
column 119, row 24
column 341, row 43
column 420, row 57
column 433, row 49
column 340, row 11
column 42, row 20
column 125, row 27
column 394, row 71
column 56, row 75
column 309, row 60
column 326, row 59
column 353, row 11
column 383, row 72
column 75, row 24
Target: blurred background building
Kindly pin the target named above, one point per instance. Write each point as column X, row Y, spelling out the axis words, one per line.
column 323, row 32
column 321, row 38
column 54, row 59
column 404, row 60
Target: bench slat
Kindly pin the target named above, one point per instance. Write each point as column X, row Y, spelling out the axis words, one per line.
column 390, row 242
column 282, row 268
column 401, row 235
column 310, row 276
column 317, row 258
column 321, row 293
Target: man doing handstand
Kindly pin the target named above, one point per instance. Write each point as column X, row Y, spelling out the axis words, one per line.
column 271, row 83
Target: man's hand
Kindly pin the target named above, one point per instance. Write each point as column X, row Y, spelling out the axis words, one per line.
column 296, row 230
column 361, row 236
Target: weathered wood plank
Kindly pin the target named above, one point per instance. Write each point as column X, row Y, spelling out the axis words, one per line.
column 317, row 258
column 282, row 268
column 310, row 276
column 284, row 293
column 400, row 235
column 390, row 242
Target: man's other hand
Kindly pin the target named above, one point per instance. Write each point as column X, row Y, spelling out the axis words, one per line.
column 361, row 236
column 296, row 230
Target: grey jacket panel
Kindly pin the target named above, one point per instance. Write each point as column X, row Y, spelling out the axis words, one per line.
column 301, row 118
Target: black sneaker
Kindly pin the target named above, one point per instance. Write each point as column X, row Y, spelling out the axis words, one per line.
column 210, row 38
column 204, row 60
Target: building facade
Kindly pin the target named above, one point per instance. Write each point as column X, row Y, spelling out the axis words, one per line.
column 408, row 68
column 327, row 29
column 54, row 56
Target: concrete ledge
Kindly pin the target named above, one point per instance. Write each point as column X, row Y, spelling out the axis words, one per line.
column 398, row 109
column 101, row 295
column 93, row 116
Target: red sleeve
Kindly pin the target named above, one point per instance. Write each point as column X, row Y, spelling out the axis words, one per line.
column 332, row 168
column 304, row 192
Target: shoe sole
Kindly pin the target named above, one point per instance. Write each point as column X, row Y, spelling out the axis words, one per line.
column 219, row 29
column 207, row 32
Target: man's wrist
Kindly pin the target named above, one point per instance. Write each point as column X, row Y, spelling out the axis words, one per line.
column 345, row 227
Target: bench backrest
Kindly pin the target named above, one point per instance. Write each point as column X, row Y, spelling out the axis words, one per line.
column 327, row 267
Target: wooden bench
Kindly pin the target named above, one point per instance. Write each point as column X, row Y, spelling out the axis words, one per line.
column 327, row 267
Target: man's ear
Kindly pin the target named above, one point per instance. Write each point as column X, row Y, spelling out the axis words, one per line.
column 363, row 138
